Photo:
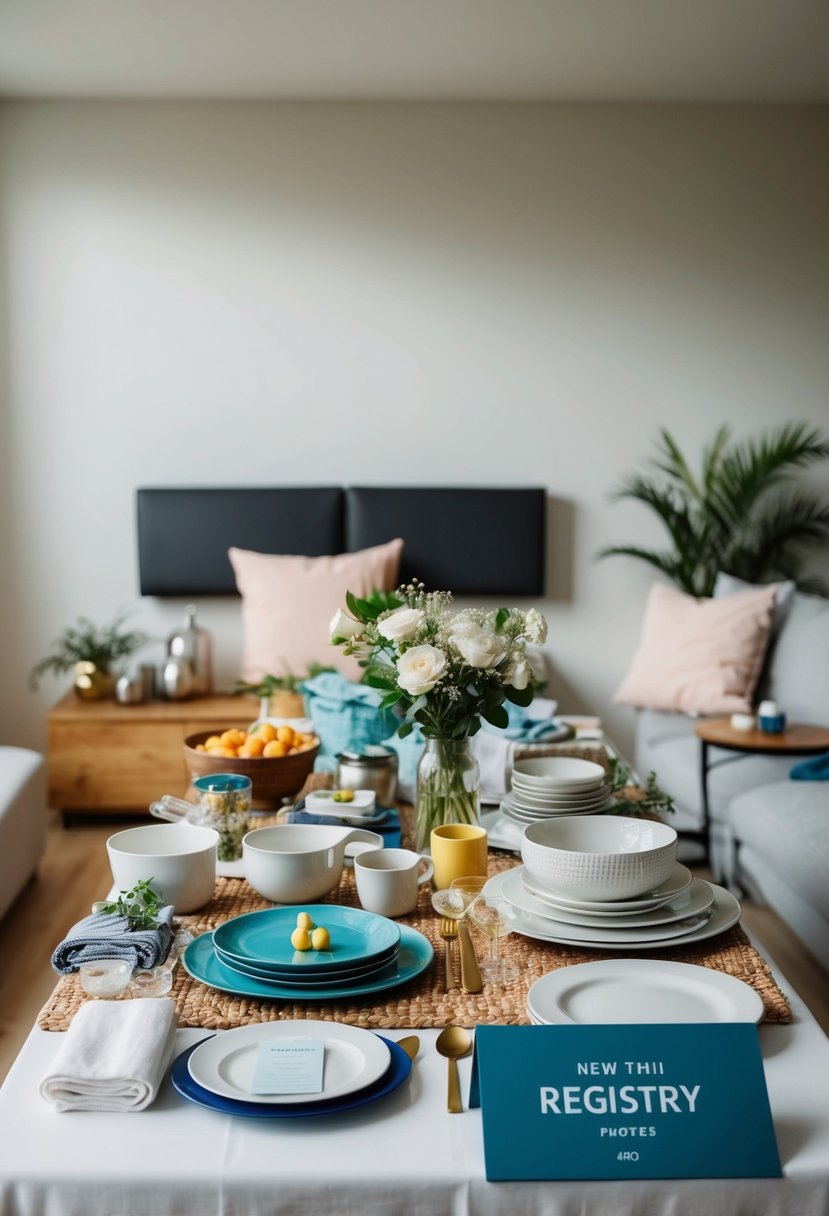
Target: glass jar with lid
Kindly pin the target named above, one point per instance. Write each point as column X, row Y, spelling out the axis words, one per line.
column 373, row 768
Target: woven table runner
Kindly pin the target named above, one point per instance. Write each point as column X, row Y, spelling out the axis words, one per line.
column 424, row 1002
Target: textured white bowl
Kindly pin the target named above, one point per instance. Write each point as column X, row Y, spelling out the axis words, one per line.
column 599, row 856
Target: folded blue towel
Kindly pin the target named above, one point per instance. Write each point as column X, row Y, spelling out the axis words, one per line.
column 815, row 769
column 105, row 935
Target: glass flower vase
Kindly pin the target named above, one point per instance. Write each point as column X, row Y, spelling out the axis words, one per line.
column 448, row 787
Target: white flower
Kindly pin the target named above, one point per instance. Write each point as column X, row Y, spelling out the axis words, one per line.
column 536, row 626
column 477, row 645
column 419, row 669
column 343, row 627
column 401, row 625
column 518, row 674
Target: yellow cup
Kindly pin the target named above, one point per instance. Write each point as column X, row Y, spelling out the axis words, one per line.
column 458, row 850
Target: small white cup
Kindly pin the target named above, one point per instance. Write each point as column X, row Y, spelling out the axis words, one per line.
column 388, row 880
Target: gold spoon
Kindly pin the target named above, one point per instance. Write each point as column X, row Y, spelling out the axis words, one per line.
column 453, row 1043
column 410, row 1044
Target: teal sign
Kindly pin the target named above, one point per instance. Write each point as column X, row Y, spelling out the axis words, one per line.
column 585, row 1102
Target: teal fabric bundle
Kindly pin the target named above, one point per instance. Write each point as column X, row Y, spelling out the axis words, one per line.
column 346, row 716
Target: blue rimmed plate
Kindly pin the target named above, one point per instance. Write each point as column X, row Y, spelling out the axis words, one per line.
column 329, row 979
column 200, row 961
column 263, row 939
column 400, row 1067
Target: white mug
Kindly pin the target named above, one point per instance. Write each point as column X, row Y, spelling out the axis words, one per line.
column 388, row 880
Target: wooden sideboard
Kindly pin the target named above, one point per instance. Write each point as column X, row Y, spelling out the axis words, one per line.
column 102, row 757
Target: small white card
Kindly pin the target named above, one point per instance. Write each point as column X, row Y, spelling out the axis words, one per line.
column 289, row 1068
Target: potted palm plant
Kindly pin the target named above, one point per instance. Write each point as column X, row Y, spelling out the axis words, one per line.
column 740, row 514
column 90, row 651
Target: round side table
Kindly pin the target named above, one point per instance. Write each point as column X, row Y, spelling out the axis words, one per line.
column 796, row 740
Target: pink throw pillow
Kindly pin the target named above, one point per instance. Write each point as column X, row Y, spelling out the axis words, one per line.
column 699, row 656
column 288, row 603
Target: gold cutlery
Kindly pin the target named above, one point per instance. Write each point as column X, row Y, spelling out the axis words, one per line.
column 470, row 972
column 410, row 1044
column 449, row 932
column 453, row 1043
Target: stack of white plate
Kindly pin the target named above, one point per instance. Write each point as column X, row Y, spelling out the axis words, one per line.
column 556, row 785
column 682, row 910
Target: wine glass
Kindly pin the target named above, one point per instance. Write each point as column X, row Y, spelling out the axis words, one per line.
column 495, row 918
column 472, row 885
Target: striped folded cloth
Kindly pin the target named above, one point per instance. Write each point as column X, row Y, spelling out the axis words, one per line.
column 106, row 935
column 113, row 1056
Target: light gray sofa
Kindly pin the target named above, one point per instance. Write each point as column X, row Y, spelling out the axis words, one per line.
column 22, row 819
column 770, row 834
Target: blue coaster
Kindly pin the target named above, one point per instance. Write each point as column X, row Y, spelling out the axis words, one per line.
column 388, row 828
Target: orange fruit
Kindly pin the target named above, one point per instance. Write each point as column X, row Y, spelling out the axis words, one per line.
column 213, row 741
column 229, row 753
column 253, row 746
column 266, row 731
column 285, row 734
column 200, row 747
column 233, row 737
column 274, row 748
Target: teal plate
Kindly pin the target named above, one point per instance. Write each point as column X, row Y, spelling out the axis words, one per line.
column 263, row 939
column 200, row 961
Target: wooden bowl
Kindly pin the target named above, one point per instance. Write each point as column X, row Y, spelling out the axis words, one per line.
column 273, row 778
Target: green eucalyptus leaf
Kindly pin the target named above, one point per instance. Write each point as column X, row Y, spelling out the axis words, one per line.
column 496, row 715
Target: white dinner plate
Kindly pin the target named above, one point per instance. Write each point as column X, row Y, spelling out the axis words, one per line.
column 635, row 990
column 225, row 1064
column 547, row 919
column 525, row 817
column 557, row 807
column 725, row 913
column 696, row 899
column 677, row 881
column 533, row 794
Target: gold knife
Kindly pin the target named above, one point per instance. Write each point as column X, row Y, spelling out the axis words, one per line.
column 470, row 973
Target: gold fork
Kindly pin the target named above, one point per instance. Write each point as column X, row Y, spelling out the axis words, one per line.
column 449, row 932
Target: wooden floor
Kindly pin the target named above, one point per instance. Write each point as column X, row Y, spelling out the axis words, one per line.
column 75, row 872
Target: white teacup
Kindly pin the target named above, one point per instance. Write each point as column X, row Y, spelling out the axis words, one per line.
column 388, row 880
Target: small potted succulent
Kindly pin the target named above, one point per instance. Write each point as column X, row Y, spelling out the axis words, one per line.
column 90, row 651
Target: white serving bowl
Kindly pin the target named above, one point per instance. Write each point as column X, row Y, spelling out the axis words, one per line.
column 551, row 773
column 297, row 863
column 180, row 858
column 599, row 857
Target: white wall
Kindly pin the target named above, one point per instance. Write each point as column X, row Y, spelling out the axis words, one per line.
column 265, row 294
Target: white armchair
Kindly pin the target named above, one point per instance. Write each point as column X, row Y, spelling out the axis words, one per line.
column 22, row 819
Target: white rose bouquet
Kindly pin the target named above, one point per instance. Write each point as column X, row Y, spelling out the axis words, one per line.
column 443, row 670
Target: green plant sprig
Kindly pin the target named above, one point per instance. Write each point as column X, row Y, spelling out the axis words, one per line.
column 85, row 641
column 140, row 906
column 270, row 684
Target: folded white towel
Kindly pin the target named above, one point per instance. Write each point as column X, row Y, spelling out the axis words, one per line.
column 113, row 1056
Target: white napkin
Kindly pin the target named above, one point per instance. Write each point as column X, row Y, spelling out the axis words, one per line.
column 494, row 754
column 113, row 1056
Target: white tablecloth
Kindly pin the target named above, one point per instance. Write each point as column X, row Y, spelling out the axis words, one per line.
column 403, row 1155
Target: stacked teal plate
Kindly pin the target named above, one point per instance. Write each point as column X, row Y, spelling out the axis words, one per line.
column 252, row 955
